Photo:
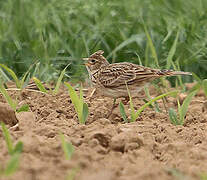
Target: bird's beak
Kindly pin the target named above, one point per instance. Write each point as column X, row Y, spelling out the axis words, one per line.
column 86, row 63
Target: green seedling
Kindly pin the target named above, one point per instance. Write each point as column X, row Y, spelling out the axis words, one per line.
column 14, row 151
column 178, row 119
column 201, row 84
column 203, row 176
column 42, row 88
column 135, row 114
column 177, row 174
column 20, row 83
column 81, row 108
column 11, row 148
column 39, row 84
column 72, row 173
column 23, row 108
column 13, row 75
column 151, row 45
column 11, row 102
column 123, row 113
column 67, row 147
column 153, row 105
column 3, row 76
column 204, row 85
column 11, row 166
column 68, row 151
column 55, row 91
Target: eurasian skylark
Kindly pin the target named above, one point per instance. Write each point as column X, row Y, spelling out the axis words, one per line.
column 111, row 79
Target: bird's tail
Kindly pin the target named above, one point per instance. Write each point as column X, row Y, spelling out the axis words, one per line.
column 172, row 73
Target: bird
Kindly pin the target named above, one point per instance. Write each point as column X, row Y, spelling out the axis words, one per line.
column 113, row 80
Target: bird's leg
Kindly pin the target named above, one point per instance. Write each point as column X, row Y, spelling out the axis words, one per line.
column 113, row 107
column 91, row 95
column 114, row 102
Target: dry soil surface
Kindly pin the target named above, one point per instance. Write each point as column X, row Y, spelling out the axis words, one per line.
column 105, row 148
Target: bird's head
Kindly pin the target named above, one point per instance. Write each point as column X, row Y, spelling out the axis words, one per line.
column 95, row 61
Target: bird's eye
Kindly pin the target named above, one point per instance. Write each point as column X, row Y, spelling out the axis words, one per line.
column 93, row 60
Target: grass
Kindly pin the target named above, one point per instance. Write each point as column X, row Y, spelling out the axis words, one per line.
column 182, row 110
column 42, row 88
column 66, row 30
column 178, row 119
column 13, row 103
column 67, row 147
column 136, row 114
column 81, row 108
column 14, row 152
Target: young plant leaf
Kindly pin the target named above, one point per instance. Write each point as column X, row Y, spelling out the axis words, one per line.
column 151, row 106
column 85, row 113
column 157, row 108
column 25, row 79
column 23, row 108
column 205, row 87
column 18, row 148
column 36, row 70
column 72, row 173
column 196, row 87
column 184, row 107
column 55, row 91
column 196, row 78
column 180, row 113
column 39, row 85
column 10, row 101
column 122, row 111
column 172, row 51
column 13, row 75
column 7, row 138
column 67, row 147
column 151, row 46
column 133, row 114
column 153, row 100
column 75, row 100
column 4, row 76
column 81, row 95
column 173, row 116
column 81, row 108
column 12, row 165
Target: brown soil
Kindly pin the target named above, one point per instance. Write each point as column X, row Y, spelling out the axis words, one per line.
column 106, row 149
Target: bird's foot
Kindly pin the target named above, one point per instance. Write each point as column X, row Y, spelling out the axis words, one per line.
column 112, row 109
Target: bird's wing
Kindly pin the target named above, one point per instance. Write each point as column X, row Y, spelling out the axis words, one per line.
column 119, row 74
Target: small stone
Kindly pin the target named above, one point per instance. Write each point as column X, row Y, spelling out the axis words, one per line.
column 101, row 137
column 93, row 143
column 126, row 140
column 131, row 146
column 118, row 142
column 101, row 150
column 104, row 121
column 77, row 141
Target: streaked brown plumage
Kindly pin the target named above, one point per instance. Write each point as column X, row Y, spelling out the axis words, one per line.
column 111, row 79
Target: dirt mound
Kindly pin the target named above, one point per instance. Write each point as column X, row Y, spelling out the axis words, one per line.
column 106, row 149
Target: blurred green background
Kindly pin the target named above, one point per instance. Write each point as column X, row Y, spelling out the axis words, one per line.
column 58, row 32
